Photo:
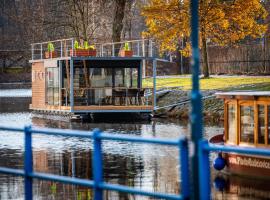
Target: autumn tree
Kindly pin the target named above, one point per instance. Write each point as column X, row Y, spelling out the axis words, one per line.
column 221, row 22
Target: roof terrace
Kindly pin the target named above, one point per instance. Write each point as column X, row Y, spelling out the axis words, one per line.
column 65, row 48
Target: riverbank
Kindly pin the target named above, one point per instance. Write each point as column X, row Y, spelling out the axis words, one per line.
column 213, row 108
column 13, row 79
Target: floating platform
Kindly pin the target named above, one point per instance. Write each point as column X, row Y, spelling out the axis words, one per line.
column 82, row 85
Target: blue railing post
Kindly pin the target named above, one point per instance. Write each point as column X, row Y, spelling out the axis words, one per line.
column 97, row 165
column 28, row 163
column 196, row 113
column 204, row 171
column 184, row 163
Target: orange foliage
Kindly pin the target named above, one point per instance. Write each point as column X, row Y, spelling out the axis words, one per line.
column 223, row 22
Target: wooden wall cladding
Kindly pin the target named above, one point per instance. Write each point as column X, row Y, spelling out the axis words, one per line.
column 38, row 85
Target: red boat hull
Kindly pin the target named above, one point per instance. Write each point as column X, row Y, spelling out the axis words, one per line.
column 244, row 164
column 247, row 165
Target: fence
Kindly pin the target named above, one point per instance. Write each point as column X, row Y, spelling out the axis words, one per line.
column 249, row 59
column 243, row 59
column 97, row 183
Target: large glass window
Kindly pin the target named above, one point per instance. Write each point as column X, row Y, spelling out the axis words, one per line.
column 52, row 86
column 134, row 77
column 232, row 123
column 100, row 77
column 247, row 124
column 128, row 77
column 102, row 80
column 108, row 77
column 261, row 124
column 119, row 77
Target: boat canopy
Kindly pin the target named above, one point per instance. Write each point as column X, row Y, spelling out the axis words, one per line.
column 243, row 94
column 246, row 117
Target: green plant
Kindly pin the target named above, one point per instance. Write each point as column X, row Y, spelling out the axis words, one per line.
column 86, row 45
column 50, row 47
column 92, row 47
column 76, row 45
column 127, row 47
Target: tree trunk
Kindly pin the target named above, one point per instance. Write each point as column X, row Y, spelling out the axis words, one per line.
column 117, row 28
column 179, row 61
column 179, row 56
column 119, row 14
column 205, row 57
column 86, row 74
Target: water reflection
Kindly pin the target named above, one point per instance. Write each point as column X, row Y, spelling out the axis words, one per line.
column 11, row 104
column 238, row 187
column 148, row 167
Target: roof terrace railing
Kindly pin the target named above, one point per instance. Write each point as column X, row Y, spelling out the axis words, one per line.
column 61, row 49
column 97, row 183
column 65, row 48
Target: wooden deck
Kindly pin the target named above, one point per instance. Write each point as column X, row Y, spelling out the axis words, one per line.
column 94, row 108
column 113, row 108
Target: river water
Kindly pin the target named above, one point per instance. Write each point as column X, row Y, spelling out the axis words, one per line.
column 148, row 167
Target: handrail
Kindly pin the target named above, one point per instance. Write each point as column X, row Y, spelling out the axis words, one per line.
column 97, row 183
column 59, row 40
column 107, row 43
column 129, row 41
column 204, row 163
column 141, row 48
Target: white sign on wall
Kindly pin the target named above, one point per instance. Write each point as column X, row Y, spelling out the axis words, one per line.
column 50, row 63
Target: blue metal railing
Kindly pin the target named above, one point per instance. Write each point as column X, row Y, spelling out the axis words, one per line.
column 204, row 162
column 97, row 183
column 204, row 149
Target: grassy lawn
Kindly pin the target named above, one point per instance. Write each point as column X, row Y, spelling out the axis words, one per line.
column 213, row 83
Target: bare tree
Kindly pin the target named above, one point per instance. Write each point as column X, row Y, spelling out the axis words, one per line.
column 119, row 14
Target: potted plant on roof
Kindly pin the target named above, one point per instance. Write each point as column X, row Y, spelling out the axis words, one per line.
column 78, row 50
column 91, row 49
column 50, row 53
column 86, row 50
column 126, row 51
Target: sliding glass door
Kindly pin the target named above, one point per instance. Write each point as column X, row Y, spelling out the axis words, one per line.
column 52, row 86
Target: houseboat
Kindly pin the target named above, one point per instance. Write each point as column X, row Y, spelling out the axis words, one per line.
column 70, row 82
column 246, row 124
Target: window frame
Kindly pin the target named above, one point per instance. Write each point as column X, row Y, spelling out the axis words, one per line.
column 226, row 121
column 250, row 104
column 262, row 103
